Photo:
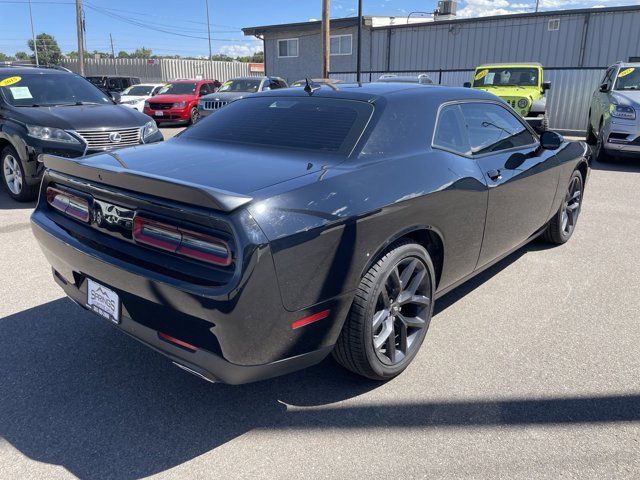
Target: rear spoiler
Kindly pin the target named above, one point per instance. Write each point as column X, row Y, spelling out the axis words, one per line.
column 185, row 192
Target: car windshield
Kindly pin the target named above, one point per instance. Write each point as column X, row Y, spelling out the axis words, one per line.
column 51, row 89
column 182, row 88
column 304, row 123
column 138, row 90
column 506, row 77
column 240, row 85
column 628, row 79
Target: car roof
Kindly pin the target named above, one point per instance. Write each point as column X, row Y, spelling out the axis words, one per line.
column 514, row 64
column 26, row 70
column 370, row 92
column 627, row 64
column 188, row 80
column 112, row 76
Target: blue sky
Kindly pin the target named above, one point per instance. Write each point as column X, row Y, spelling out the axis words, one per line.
column 187, row 17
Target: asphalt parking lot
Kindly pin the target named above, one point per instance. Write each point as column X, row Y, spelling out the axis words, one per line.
column 528, row 371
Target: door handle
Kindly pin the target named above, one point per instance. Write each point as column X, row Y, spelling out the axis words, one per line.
column 494, row 174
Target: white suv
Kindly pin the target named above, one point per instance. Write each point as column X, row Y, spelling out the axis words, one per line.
column 614, row 114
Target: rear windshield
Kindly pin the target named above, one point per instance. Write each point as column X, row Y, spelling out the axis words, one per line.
column 305, row 123
column 51, row 89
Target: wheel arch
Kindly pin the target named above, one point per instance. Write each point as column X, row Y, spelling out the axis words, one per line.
column 426, row 236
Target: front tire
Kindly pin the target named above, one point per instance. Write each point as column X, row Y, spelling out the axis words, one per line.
column 390, row 315
column 194, row 116
column 601, row 153
column 13, row 176
column 563, row 223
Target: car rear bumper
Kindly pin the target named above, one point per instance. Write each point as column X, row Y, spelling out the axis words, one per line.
column 238, row 339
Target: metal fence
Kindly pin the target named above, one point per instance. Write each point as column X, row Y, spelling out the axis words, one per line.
column 162, row 70
column 567, row 101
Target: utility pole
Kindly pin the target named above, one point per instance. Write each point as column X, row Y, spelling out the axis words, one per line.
column 208, row 29
column 80, row 38
column 326, row 38
column 537, row 5
column 359, row 59
column 113, row 54
column 33, row 35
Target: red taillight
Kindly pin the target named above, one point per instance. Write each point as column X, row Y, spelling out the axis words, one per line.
column 65, row 202
column 198, row 246
column 310, row 319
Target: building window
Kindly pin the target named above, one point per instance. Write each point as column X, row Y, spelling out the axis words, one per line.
column 554, row 24
column 341, row 44
column 288, row 47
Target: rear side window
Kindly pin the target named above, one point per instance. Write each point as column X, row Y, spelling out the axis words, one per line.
column 305, row 123
column 451, row 132
column 492, row 128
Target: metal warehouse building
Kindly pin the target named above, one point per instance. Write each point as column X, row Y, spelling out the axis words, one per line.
column 574, row 46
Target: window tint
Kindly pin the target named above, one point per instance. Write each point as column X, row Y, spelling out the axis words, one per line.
column 450, row 131
column 319, row 124
column 204, row 89
column 492, row 128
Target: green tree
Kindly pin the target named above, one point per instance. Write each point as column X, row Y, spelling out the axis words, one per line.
column 123, row 54
column 48, row 50
column 141, row 53
column 22, row 56
column 5, row 58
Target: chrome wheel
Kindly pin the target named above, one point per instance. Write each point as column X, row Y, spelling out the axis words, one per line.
column 571, row 207
column 12, row 174
column 402, row 311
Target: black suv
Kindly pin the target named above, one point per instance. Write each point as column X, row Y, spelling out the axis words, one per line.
column 113, row 83
column 52, row 111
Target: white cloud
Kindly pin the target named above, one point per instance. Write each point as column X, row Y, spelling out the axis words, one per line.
column 485, row 8
column 240, row 50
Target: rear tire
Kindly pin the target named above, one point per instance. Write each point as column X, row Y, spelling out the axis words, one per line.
column 13, row 176
column 390, row 314
column 562, row 225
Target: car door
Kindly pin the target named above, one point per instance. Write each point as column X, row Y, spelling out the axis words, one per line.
column 520, row 176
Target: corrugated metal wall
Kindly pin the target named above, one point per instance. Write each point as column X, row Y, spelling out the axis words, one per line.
column 163, row 69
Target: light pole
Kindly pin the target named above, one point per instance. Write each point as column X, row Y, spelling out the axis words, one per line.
column 33, row 35
column 359, row 57
column 208, row 29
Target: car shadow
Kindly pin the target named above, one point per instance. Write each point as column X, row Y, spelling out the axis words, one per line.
column 8, row 203
column 76, row 393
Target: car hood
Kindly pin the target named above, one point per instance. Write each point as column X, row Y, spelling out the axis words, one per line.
column 226, row 96
column 503, row 92
column 172, row 98
column 83, row 117
column 237, row 169
column 629, row 98
column 125, row 98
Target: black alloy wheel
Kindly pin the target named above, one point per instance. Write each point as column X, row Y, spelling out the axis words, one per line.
column 564, row 222
column 390, row 314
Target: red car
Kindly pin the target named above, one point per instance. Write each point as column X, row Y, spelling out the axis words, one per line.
column 177, row 101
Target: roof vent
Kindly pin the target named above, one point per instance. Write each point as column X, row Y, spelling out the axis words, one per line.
column 446, row 10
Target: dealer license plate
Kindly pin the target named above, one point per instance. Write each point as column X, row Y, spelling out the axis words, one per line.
column 103, row 301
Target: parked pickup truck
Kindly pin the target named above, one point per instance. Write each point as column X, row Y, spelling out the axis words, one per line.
column 521, row 85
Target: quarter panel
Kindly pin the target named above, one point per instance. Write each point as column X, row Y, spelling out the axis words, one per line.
column 324, row 232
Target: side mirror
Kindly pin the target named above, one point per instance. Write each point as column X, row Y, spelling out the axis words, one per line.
column 604, row 87
column 115, row 96
column 551, row 140
column 546, row 86
column 467, row 85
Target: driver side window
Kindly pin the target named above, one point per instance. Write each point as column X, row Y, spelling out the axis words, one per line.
column 492, row 128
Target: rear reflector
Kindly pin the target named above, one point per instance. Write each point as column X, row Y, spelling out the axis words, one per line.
column 170, row 238
column 65, row 202
column 175, row 341
column 310, row 319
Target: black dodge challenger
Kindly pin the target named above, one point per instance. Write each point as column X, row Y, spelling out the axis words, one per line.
column 292, row 224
